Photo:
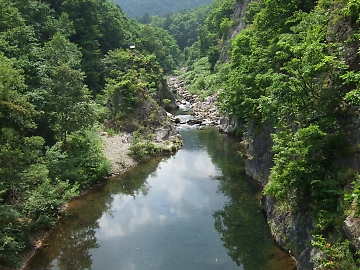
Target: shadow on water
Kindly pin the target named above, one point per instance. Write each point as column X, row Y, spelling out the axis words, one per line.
column 193, row 210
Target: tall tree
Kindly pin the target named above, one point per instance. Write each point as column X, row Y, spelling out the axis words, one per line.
column 68, row 100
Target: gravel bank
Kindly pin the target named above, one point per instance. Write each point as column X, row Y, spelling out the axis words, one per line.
column 116, row 149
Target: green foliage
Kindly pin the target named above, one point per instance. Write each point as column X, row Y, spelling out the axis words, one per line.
column 334, row 256
column 183, row 26
column 305, row 168
column 52, row 56
column 288, row 69
column 352, row 10
column 13, row 236
column 136, row 8
column 43, row 203
column 17, row 153
column 156, row 41
column 82, row 161
column 354, row 196
column 133, row 90
column 202, row 81
column 141, row 148
column 69, row 101
column 15, row 109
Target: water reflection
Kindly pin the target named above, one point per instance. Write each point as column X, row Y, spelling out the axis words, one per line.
column 188, row 211
column 241, row 222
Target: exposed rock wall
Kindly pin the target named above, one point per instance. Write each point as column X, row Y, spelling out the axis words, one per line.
column 291, row 231
column 351, row 225
column 258, row 142
column 239, row 12
column 239, row 24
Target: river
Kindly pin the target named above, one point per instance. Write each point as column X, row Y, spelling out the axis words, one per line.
column 193, row 210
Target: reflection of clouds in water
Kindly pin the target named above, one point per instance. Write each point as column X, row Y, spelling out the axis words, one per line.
column 178, row 182
column 176, row 195
column 124, row 219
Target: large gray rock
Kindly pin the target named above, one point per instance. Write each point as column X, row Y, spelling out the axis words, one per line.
column 258, row 144
column 291, row 231
column 351, row 227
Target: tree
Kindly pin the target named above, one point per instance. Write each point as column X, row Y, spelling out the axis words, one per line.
column 15, row 110
column 68, row 102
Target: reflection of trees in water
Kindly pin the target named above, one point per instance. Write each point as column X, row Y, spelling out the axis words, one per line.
column 74, row 236
column 75, row 253
column 241, row 223
column 242, row 235
column 247, row 240
column 68, row 248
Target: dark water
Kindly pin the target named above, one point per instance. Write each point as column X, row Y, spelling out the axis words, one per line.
column 193, row 210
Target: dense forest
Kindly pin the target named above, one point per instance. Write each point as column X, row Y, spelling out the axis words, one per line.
column 64, row 65
column 137, row 8
column 293, row 68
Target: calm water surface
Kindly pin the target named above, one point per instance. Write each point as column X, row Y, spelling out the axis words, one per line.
column 193, row 210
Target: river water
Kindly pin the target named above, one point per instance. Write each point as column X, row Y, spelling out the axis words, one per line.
column 193, row 210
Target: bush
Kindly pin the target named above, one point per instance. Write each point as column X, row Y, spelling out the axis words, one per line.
column 14, row 236
column 141, row 148
column 44, row 202
column 81, row 161
column 305, row 172
column 334, row 256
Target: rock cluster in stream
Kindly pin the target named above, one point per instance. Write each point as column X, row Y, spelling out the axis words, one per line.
column 205, row 113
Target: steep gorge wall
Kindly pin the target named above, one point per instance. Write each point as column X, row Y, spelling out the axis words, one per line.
column 292, row 231
column 239, row 24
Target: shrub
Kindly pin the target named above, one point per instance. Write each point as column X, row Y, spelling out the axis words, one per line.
column 44, row 202
column 141, row 148
column 13, row 236
column 82, row 161
column 334, row 256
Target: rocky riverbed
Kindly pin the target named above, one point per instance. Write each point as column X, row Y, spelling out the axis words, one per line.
column 204, row 112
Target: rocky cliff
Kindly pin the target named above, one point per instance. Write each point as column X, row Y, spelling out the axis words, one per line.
column 292, row 231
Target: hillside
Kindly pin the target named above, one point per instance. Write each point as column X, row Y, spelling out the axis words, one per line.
column 137, row 8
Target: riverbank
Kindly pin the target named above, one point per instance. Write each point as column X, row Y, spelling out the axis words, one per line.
column 116, row 148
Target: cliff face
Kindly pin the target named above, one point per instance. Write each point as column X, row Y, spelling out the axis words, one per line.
column 258, row 143
column 239, row 13
column 291, row 231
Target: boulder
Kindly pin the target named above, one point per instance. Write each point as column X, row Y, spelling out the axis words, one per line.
column 194, row 122
column 351, row 227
